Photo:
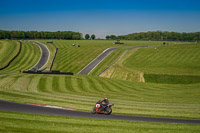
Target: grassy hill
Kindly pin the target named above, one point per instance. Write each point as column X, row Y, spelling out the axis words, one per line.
column 8, row 49
column 29, row 56
column 73, row 59
column 81, row 92
column 165, row 64
column 183, row 59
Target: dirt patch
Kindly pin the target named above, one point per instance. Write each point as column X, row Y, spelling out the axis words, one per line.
column 142, row 77
column 107, row 74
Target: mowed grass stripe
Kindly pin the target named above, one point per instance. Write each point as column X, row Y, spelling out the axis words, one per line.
column 33, row 86
column 172, row 59
column 8, row 82
column 8, row 49
column 129, row 98
column 42, row 84
column 21, row 84
column 20, row 60
column 70, row 60
column 68, row 83
column 28, row 57
column 62, row 85
column 55, row 84
column 65, row 60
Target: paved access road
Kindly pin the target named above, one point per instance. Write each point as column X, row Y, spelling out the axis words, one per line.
column 44, row 57
column 26, row 108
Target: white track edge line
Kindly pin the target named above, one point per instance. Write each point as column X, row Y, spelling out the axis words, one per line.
column 93, row 60
column 101, row 61
column 41, row 54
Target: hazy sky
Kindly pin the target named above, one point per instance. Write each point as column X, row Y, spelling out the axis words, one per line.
column 100, row 17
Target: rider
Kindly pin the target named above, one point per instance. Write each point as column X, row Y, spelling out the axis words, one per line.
column 104, row 103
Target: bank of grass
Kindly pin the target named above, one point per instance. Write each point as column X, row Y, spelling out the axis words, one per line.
column 29, row 56
column 8, row 49
column 170, row 64
column 73, row 59
column 182, row 59
column 23, row 122
column 118, row 70
column 172, row 79
column 82, row 92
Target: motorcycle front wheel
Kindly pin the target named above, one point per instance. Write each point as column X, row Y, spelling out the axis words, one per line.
column 93, row 110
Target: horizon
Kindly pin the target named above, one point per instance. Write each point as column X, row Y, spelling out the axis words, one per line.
column 101, row 17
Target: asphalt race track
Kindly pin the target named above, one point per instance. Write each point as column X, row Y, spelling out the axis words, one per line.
column 86, row 70
column 44, row 57
column 27, row 108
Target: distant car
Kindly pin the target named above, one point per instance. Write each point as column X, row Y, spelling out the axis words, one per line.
column 50, row 41
column 117, row 42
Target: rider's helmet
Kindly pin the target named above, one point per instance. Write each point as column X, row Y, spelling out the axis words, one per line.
column 105, row 99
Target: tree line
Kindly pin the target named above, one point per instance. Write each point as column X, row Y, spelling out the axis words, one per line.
column 70, row 35
column 158, row 36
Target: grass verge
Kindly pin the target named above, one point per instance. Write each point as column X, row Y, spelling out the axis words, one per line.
column 22, row 122
column 8, row 49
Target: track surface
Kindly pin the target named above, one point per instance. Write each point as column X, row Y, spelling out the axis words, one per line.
column 86, row 70
column 26, row 108
column 44, row 57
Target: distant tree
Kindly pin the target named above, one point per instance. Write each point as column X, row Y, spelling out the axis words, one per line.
column 23, row 35
column 93, row 37
column 107, row 37
column 113, row 37
column 87, row 36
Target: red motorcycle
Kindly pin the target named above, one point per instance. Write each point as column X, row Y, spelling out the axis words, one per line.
column 102, row 108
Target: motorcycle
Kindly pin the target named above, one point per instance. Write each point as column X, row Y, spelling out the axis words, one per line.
column 102, row 109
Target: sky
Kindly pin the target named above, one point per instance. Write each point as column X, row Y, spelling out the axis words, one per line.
column 100, row 17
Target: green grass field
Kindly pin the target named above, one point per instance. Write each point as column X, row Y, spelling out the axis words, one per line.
column 134, row 84
column 73, row 59
column 28, row 57
column 181, row 59
column 174, row 64
column 32, row 123
column 81, row 92
column 8, row 49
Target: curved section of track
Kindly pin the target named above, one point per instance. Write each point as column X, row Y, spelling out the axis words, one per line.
column 44, row 57
column 26, row 108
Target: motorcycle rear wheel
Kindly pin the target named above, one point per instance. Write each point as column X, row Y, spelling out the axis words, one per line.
column 108, row 111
